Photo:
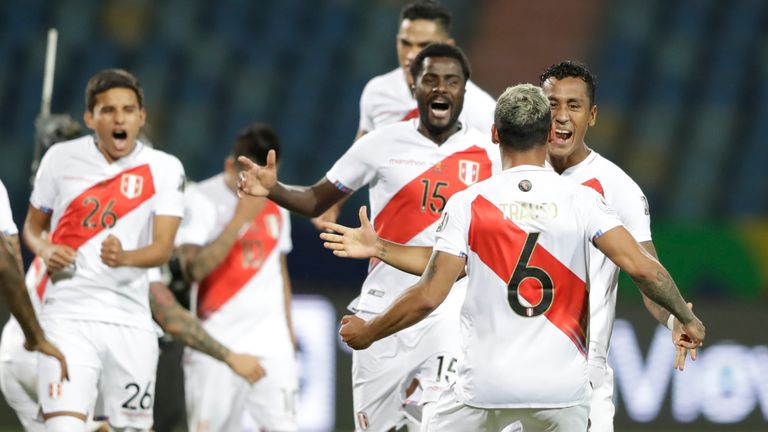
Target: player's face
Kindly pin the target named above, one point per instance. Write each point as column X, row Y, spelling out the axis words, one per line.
column 572, row 115
column 412, row 37
column 116, row 120
column 439, row 93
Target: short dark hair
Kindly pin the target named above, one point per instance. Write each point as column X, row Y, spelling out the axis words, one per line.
column 109, row 79
column 572, row 69
column 522, row 117
column 429, row 10
column 255, row 141
column 440, row 50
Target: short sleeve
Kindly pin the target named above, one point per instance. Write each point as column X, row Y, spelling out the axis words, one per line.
column 284, row 243
column 170, row 188
column 356, row 167
column 451, row 235
column 479, row 109
column 632, row 207
column 366, row 120
column 199, row 219
column 7, row 226
column 155, row 274
column 599, row 218
column 44, row 190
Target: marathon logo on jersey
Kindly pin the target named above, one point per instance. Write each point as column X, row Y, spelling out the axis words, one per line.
column 131, row 185
column 54, row 390
column 362, row 420
column 469, row 172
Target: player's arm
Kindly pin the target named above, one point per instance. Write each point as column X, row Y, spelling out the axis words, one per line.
column 184, row 327
column 650, row 276
column 412, row 306
column 311, row 200
column 662, row 315
column 36, row 224
column 155, row 254
column 288, row 297
column 15, row 293
column 363, row 243
column 197, row 261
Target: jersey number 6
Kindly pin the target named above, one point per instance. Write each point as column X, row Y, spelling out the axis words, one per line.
column 523, row 272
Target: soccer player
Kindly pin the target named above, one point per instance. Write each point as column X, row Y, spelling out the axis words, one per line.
column 235, row 250
column 112, row 206
column 389, row 98
column 412, row 168
column 570, row 88
column 523, row 237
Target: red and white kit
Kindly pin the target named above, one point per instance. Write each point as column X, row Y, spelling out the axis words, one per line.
column 526, row 235
column 386, row 99
column 99, row 316
column 410, row 179
column 625, row 197
column 242, row 305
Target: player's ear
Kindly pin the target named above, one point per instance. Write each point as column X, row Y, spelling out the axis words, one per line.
column 88, row 119
column 593, row 115
column 494, row 134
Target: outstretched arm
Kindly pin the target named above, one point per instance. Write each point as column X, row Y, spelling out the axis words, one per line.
column 362, row 243
column 262, row 181
column 185, row 328
column 651, row 278
column 411, row 307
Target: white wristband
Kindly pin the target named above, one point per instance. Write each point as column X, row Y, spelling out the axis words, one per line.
column 671, row 322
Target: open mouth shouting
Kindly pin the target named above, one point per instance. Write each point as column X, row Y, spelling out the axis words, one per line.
column 562, row 136
column 440, row 108
column 120, row 139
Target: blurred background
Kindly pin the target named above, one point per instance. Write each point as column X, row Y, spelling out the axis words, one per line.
column 682, row 98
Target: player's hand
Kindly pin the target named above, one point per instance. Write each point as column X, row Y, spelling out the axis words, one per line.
column 49, row 349
column 329, row 217
column 256, row 180
column 57, row 257
column 360, row 242
column 683, row 343
column 354, row 332
column 112, row 251
column 247, row 366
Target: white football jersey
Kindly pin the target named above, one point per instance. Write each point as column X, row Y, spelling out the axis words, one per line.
column 624, row 196
column 7, row 226
column 89, row 199
column 386, row 99
column 242, row 302
column 410, row 179
column 525, row 234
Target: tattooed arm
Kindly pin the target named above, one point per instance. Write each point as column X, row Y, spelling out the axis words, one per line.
column 197, row 262
column 411, row 307
column 650, row 276
column 187, row 329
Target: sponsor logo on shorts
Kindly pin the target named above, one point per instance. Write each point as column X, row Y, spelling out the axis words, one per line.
column 54, row 390
column 362, row 420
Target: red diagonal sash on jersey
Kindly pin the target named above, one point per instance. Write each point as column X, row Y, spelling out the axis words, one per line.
column 596, row 185
column 498, row 242
column 242, row 263
column 102, row 205
column 412, row 114
column 404, row 217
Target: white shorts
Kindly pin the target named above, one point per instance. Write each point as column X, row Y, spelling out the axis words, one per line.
column 427, row 352
column 601, row 409
column 18, row 381
column 217, row 398
column 452, row 415
column 116, row 362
